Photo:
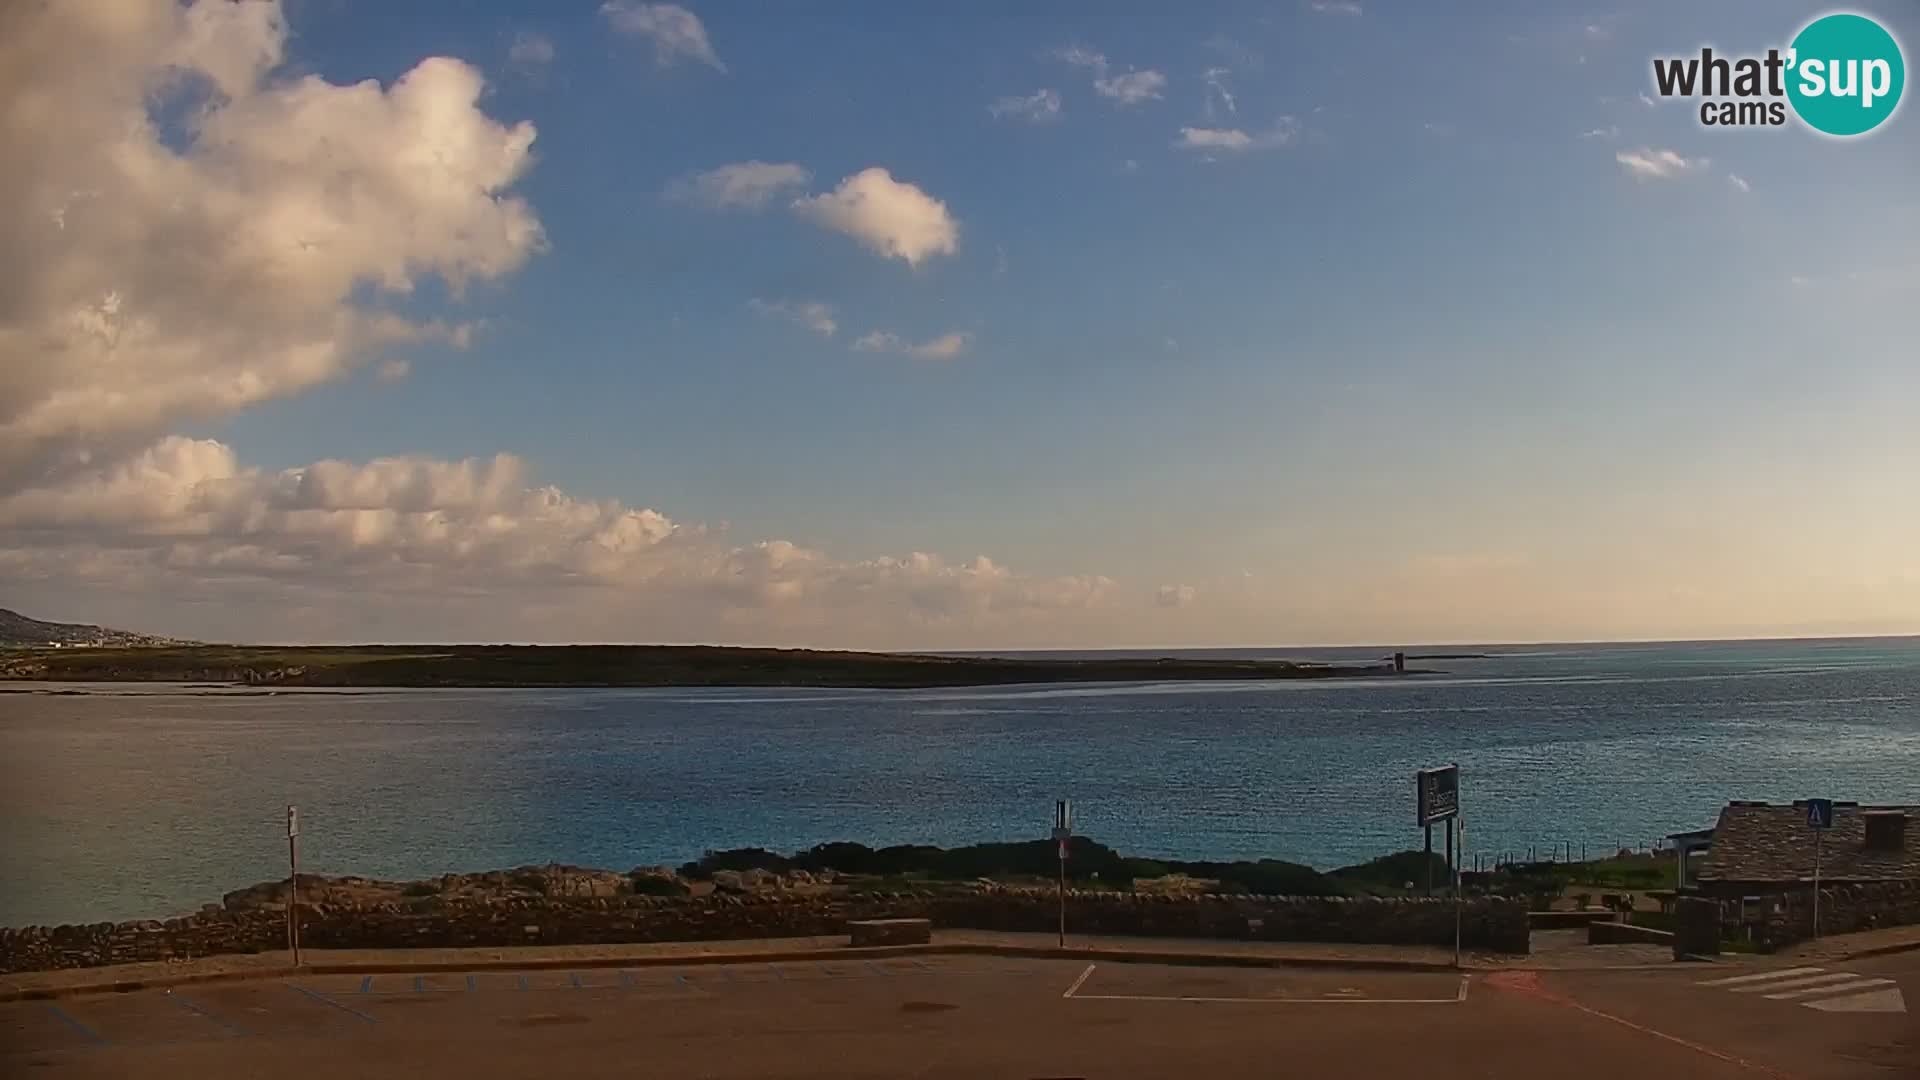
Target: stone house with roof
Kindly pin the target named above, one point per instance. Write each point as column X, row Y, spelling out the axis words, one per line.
column 1763, row 848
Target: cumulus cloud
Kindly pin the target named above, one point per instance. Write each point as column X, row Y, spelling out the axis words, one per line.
column 1036, row 108
column 1175, row 595
column 530, row 51
column 1129, row 87
column 674, row 31
column 945, row 347
column 255, row 252
column 415, row 528
column 1647, row 163
column 155, row 280
column 891, row 218
column 813, row 315
column 743, row 185
column 1234, row 140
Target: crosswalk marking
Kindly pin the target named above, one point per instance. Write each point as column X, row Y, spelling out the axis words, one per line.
column 1781, row 984
column 1841, row 988
column 1763, row 975
column 1818, row 988
column 1877, row 1001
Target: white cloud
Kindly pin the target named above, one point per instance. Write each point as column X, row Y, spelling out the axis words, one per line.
column 393, row 370
column 148, row 282
column 1216, row 80
column 743, row 185
column 1647, row 100
column 423, row 533
column 1336, row 7
column 1739, row 182
column 945, row 347
column 675, row 31
column 1127, row 88
column 891, row 218
column 1132, row 87
column 1647, row 163
column 1175, row 595
column 151, row 283
column 1038, row 107
column 1192, row 138
column 1611, row 131
column 813, row 315
column 530, row 51
column 1235, row 140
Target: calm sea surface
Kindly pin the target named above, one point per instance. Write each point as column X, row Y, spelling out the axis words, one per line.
column 132, row 802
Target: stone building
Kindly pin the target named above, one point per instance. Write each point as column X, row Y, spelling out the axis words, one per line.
column 1762, row 849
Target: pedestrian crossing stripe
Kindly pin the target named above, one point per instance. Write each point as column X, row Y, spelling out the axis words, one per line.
column 1818, row 988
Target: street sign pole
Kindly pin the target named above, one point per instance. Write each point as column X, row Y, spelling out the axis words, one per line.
column 1427, row 890
column 1818, row 833
column 1062, row 830
column 1460, row 831
column 293, row 882
column 1819, row 819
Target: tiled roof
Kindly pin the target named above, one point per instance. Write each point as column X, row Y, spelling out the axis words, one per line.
column 1765, row 842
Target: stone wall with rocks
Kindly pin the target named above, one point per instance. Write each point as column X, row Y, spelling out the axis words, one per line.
column 1844, row 909
column 1489, row 923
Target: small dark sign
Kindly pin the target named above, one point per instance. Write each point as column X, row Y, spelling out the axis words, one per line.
column 1819, row 813
column 1437, row 794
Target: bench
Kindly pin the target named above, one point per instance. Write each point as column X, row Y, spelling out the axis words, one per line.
column 889, row 932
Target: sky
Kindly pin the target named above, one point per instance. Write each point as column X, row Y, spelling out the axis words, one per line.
column 917, row 327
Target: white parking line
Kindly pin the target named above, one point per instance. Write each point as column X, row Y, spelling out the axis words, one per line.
column 1077, row 983
column 1073, row 992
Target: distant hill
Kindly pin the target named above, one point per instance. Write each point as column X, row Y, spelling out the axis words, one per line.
column 19, row 632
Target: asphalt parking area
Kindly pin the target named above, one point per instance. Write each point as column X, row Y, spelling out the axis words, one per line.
column 1243, row 986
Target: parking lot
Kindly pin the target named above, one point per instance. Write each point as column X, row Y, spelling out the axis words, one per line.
column 931, row 1016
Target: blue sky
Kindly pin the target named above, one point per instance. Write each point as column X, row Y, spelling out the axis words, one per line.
column 1429, row 358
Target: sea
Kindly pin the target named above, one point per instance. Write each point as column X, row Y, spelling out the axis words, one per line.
column 144, row 801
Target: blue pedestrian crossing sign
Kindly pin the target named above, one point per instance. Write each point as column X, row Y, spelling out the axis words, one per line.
column 1819, row 813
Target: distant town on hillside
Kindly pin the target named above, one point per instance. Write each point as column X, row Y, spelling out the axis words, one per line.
column 20, row 632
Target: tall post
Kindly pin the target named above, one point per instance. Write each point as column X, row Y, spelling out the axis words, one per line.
column 1449, row 850
column 293, row 882
column 1062, row 830
column 1455, row 825
column 1816, row 882
column 1429, row 861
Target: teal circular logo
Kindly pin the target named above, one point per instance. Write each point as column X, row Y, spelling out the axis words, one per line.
column 1845, row 74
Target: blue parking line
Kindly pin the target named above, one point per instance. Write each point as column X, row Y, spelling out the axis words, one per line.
column 84, row 1031
column 626, row 980
column 366, row 985
column 472, row 984
column 419, row 983
column 523, row 982
column 574, row 978
column 777, row 973
column 685, row 983
column 196, row 1009
column 325, row 1000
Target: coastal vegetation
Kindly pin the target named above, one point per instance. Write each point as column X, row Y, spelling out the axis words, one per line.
column 615, row 665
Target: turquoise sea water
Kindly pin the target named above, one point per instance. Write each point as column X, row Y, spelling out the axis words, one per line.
column 132, row 801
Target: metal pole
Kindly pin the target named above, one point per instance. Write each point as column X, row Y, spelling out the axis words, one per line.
column 1429, row 861
column 293, row 883
column 1063, row 894
column 1449, row 849
column 1456, row 826
column 1816, row 883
